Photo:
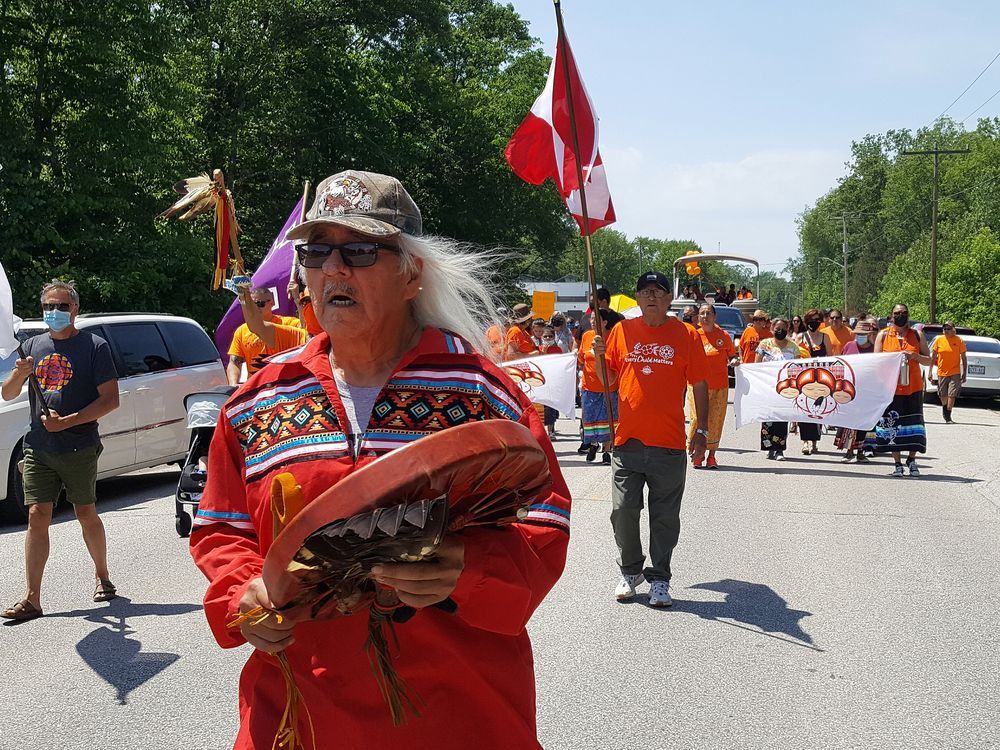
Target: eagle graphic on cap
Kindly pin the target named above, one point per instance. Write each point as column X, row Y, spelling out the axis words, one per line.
column 347, row 194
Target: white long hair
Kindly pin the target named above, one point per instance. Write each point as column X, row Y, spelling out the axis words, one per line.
column 457, row 293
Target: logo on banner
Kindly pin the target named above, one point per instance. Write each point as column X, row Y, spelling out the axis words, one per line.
column 817, row 388
column 527, row 375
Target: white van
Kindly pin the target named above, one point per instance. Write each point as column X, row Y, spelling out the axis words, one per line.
column 160, row 359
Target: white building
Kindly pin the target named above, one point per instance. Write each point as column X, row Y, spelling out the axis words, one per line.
column 572, row 296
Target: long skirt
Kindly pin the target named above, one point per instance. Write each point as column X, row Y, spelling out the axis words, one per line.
column 854, row 440
column 718, row 401
column 810, row 431
column 596, row 426
column 773, row 436
column 901, row 429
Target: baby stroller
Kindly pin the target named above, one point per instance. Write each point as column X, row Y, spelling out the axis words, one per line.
column 202, row 409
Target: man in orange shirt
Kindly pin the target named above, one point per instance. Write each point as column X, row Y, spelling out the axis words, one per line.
column 948, row 355
column 654, row 358
column 519, row 342
column 758, row 330
column 248, row 348
column 839, row 333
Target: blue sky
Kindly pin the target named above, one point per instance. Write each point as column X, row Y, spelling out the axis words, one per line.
column 722, row 121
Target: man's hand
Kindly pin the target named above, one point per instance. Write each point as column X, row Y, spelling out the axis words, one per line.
column 270, row 635
column 421, row 584
column 55, row 423
column 23, row 367
column 963, row 377
column 697, row 448
column 598, row 346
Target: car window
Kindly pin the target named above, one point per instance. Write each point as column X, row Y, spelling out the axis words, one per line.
column 188, row 343
column 728, row 317
column 983, row 347
column 140, row 347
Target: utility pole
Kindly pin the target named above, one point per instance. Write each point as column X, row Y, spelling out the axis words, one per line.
column 843, row 218
column 936, row 152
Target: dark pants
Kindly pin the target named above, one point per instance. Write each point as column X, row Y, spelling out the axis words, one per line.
column 662, row 470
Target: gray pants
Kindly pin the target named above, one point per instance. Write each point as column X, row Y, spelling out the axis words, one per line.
column 634, row 466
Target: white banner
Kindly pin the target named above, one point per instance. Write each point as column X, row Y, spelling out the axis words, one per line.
column 549, row 379
column 9, row 322
column 850, row 391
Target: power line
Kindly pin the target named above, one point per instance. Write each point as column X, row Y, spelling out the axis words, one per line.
column 981, row 106
column 968, row 87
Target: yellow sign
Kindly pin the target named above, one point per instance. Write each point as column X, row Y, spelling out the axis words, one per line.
column 543, row 304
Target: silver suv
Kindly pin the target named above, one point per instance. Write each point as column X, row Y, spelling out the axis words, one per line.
column 160, row 359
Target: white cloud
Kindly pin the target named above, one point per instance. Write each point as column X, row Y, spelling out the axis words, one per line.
column 749, row 204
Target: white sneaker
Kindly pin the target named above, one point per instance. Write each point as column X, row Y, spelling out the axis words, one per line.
column 626, row 589
column 659, row 594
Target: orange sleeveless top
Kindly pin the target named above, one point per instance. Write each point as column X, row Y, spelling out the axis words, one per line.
column 894, row 342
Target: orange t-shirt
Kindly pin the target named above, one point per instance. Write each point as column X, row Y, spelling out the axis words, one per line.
column 495, row 336
column 585, row 356
column 718, row 350
column 949, row 350
column 520, row 340
column 251, row 349
column 838, row 339
column 911, row 343
column 654, row 366
column 749, row 342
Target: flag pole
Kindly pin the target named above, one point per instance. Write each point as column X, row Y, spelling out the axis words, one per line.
column 295, row 255
column 591, row 274
column 33, row 384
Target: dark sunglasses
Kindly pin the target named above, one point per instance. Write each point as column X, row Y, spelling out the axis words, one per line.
column 760, row 320
column 354, row 254
column 61, row 306
column 835, row 317
column 262, row 303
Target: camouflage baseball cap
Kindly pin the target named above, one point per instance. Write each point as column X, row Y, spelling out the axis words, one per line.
column 373, row 204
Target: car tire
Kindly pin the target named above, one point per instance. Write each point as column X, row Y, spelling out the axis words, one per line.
column 13, row 509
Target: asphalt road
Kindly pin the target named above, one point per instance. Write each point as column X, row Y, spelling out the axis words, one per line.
column 817, row 605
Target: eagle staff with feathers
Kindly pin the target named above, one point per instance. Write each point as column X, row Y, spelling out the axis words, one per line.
column 200, row 195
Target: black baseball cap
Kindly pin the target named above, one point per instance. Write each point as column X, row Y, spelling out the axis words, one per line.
column 653, row 277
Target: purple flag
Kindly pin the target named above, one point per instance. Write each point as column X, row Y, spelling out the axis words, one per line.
column 273, row 272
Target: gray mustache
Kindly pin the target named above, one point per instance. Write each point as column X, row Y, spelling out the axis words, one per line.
column 334, row 287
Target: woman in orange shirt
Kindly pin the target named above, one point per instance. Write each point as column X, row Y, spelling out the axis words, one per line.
column 719, row 352
column 596, row 425
column 902, row 424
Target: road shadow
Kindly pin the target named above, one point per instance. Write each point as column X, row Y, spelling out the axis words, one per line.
column 117, row 494
column 784, row 468
column 754, row 607
column 112, row 654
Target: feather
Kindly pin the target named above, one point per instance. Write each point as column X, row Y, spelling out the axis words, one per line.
column 199, row 196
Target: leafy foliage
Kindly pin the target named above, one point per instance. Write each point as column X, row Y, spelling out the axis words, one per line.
column 104, row 108
column 886, row 197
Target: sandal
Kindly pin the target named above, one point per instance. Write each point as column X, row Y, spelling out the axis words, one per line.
column 23, row 610
column 105, row 591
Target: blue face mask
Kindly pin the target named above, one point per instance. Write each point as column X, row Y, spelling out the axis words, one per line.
column 57, row 320
column 862, row 341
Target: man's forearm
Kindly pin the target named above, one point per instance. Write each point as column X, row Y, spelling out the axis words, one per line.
column 233, row 373
column 12, row 386
column 95, row 409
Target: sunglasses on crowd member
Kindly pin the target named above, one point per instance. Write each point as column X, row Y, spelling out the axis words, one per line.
column 60, row 306
column 354, row 254
column 262, row 303
column 836, row 317
column 759, row 320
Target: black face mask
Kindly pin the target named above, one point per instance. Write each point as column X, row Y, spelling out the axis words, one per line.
column 780, row 334
column 687, row 319
column 901, row 319
column 813, row 325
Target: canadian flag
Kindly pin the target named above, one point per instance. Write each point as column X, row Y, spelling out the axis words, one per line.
column 600, row 209
column 542, row 145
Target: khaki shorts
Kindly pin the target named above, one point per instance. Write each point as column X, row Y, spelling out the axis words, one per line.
column 45, row 474
column 950, row 386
